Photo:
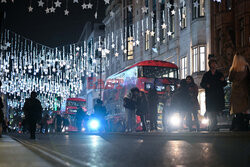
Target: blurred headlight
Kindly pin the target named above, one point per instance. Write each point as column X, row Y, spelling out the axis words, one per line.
column 175, row 120
column 205, row 121
column 94, row 124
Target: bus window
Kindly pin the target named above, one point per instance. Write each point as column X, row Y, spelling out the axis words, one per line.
column 76, row 103
column 159, row 72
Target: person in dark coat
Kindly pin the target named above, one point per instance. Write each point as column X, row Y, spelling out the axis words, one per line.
column 100, row 113
column 153, row 104
column 142, row 108
column 213, row 82
column 130, row 104
column 58, row 122
column 24, row 126
column 65, row 121
column 182, row 103
column 80, row 116
column 239, row 76
column 33, row 112
column 193, row 92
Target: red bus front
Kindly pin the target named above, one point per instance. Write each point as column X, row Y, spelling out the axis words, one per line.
column 71, row 109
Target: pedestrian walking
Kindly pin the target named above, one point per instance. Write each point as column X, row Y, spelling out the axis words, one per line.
column 182, row 103
column 153, row 104
column 142, row 108
column 24, row 125
column 58, row 122
column 65, row 122
column 100, row 113
column 193, row 92
column 33, row 112
column 80, row 116
column 167, row 108
column 239, row 75
column 213, row 82
column 44, row 124
column 130, row 104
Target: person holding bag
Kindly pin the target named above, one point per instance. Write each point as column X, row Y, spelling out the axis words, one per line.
column 130, row 104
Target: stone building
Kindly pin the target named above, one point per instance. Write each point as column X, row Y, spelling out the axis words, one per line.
column 230, row 31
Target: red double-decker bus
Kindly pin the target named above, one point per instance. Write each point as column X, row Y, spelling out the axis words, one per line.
column 142, row 75
column 71, row 109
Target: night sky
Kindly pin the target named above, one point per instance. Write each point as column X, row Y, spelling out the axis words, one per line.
column 53, row 29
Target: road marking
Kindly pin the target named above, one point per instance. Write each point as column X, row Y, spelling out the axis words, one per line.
column 48, row 152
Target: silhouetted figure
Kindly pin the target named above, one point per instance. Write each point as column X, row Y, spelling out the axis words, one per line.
column 58, row 122
column 33, row 112
column 142, row 108
column 153, row 103
column 24, row 125
column 213, row 82
column 100, row 113
column 65, row 122
column 44, row 123
column 182, row 102
column 130, row 104
column 193, row 92
column 80, row 116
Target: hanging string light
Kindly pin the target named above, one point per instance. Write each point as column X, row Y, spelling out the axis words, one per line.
column 28, row 66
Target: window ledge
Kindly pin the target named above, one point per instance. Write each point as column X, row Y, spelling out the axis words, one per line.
column 198, row 73
column 198, row 19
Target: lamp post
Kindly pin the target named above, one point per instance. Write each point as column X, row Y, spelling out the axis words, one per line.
column 100, row 54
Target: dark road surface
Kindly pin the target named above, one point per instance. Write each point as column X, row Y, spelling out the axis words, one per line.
column 144, row 150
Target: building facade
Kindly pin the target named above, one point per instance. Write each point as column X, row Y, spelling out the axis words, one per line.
column 178, row 31
column 230, row 31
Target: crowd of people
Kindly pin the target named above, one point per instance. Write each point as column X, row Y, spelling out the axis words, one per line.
column 185, row 101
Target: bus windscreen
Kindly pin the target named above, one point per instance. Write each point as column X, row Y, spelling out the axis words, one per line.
column 158, row 72
column 76, row 103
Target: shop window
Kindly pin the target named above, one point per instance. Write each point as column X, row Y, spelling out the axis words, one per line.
column 199, row 58
column 195, row 59
column 202, row 58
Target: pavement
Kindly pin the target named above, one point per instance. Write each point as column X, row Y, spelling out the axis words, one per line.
column 14, row 154
column 187, row 149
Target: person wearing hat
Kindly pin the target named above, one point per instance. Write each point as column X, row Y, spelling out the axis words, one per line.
column 33, row 112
